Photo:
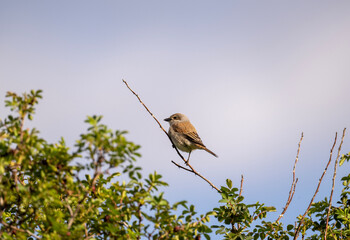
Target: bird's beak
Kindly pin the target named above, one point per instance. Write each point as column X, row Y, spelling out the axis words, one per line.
column 167, row 119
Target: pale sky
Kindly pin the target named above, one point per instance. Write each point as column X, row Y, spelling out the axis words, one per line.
column 250, row 75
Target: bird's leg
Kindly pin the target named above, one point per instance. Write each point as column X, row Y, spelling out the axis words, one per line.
column 188, row 159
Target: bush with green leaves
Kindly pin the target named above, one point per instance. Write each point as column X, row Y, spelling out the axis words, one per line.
column 50, row 192
column 95, row 191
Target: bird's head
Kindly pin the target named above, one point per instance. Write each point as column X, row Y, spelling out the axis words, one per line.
column 177, row 117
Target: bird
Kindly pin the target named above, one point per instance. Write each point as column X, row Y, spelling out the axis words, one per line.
column 184, row 136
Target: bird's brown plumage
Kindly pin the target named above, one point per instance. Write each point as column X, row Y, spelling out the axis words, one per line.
column 184, row 135
column 189, row 131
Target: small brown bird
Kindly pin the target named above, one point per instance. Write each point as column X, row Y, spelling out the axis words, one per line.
column 184, row 135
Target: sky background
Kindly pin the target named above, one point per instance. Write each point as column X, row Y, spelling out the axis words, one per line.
column 250, row 75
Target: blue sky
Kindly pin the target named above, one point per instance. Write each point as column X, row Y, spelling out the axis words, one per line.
column 251, row 76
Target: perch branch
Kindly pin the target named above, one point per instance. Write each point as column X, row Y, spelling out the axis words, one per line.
column 333, row 182
column 318, row 186
column 294, row 182
column 160, row 125
column 178, row 152
column 192, row 170
column 178, row 165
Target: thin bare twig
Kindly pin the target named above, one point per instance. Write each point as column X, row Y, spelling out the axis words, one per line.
column 333, row 182
column 192, row 170
column 294, row 182
column 70, row 210
column 178, row 165
column 178, row 152
column 73, row 216
column 160, row 125
column 86, row 231
column 296, row 233
column 241, row 188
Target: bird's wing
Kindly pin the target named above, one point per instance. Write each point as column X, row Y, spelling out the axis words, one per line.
column 189, row 132
column 193, row 137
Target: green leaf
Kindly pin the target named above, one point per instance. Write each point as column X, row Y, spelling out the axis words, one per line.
column 270, row 209
column 223, row 200
column 290, row 227
column 344, row 157
column 229, row 183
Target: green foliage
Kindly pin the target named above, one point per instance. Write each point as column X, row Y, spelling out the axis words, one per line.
column 339, row 217
column 49, row 191
column 236, row 215
column 95, row 191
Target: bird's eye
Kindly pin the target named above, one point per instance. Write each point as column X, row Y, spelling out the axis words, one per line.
column 175, row 117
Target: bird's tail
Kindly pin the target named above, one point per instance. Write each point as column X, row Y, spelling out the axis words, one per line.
column 206, row 149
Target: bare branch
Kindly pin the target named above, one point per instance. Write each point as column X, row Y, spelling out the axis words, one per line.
column 178, row 152
column 192, row 170
column 96, row 175
column 178, row 165
column 294, row 182
column 70, row 209
column 241, row 188
column 333, row 182
column 73, row 216
column 160, row 125
column 318, row 186
column 86, row 231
